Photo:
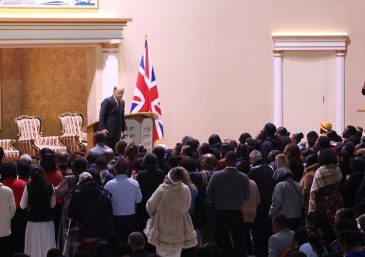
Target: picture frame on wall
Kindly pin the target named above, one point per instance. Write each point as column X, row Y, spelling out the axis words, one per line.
column 89, row 4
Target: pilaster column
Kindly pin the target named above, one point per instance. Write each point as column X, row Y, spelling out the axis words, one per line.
column 110, row 68
column 278, row 88
column 340, row 91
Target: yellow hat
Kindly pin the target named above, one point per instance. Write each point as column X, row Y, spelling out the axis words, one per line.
column 326, row 126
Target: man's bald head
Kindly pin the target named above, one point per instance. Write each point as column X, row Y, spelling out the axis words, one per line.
column 208, row 162
column 118, row 92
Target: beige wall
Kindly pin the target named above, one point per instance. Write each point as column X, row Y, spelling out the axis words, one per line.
column 44, row 82
column 213, row 59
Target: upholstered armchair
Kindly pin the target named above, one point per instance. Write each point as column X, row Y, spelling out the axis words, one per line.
column 11, row 153
column 72, row 135
column 30, row 139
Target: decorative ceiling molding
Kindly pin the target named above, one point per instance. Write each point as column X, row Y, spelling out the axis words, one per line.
column 25, row 31
column 310, row 42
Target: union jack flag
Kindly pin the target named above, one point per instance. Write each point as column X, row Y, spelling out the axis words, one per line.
column 145, row 97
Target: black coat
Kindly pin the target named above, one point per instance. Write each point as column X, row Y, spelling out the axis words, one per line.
column 91, row 207
column 111, row 117
column 262, row 174
column 148, row 180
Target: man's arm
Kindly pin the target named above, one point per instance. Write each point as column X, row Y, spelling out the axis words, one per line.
column 103, row 115
column 123, row 118
column 247, row 188
column 210, row 188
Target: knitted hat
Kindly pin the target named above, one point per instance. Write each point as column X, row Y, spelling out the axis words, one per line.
column 326, row 126
column 84, row 176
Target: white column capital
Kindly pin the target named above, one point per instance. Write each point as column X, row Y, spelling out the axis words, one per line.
column 277, row 53
column 109, row 48
column 341, row 53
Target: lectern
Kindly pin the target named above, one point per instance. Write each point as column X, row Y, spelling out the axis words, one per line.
column 140, row 128
column 90, row 130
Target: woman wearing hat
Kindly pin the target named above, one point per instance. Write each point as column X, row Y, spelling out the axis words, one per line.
column 325, row 126
column 170, row 228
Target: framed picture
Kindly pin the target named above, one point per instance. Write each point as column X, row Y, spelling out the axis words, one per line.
column 49, row 3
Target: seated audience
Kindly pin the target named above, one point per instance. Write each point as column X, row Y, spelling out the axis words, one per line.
column 352, row 243
column 100, row 146
column 103, row 249
column 81, row 254
column 54, row 252
column 136, row 240
column 208, row 250
column 309, row 241
column 283, row 237
column 124, row 249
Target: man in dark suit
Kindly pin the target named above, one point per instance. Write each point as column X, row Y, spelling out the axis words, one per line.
column 228, row 189
column 262, row 174
column 111, row 118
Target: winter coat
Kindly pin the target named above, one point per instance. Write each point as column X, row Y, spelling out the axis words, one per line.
column 91, row 207
column 170, row 226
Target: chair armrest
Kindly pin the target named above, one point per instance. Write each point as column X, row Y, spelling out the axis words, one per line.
column 73, row 144
column 8, row 144
column 50, row 140
column 27, row 146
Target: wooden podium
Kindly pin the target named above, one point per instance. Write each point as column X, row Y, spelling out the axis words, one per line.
column 139, row 129
column 90, row 130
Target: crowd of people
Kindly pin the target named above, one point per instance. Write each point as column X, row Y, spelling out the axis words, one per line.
column 275, row 194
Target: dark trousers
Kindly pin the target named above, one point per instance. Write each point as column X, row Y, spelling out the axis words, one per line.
column 261, row 231
column 230, row 222
column 5, row 246
column 124, row 225
column 18, row 225
column 249, row 245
